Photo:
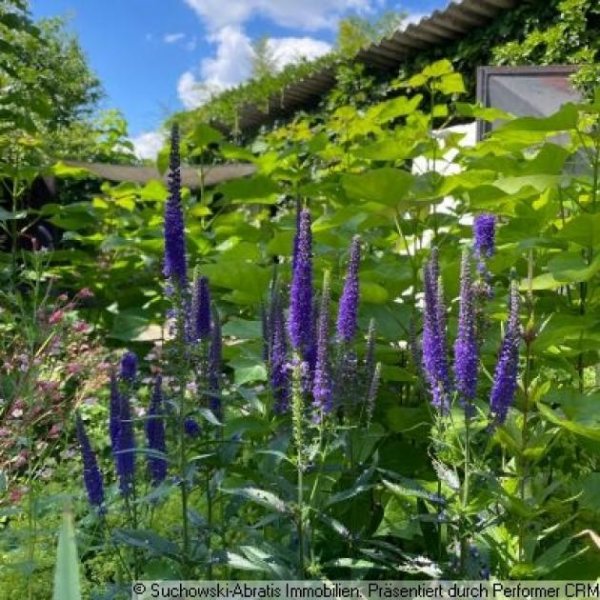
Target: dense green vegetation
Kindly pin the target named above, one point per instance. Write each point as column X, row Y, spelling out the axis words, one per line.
column 538, row 32
column 257, row 455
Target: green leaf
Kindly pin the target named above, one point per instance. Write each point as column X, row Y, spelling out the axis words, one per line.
column 373, row 292
column 66, row 576
column 262, row 497
column 130, row 325
column 583, row 229
column 571, row 268
column 243, row 329
column 147, row 540
column 410, row 489
column 203, row 135
column 154, row 190
column 539, row 183
column 438, row 68
column 572, row 426
column 60, row 169
column 564, row 119
column 392, row 109
column 385, row 185
column 247, row 370
column 452, row 83
column 249, row 281
column 259, row 189
column 5, row 215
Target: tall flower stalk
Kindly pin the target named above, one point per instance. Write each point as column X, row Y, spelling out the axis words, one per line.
column 434, row 351
column 322, row 385
column 155, row 435
column 504, row 384
column 175, row 263
column 300, row 326
column 92, row 477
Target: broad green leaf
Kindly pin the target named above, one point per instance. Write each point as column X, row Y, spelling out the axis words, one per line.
column 243, row 329
column 154, row 190
column 60, row 169
column 572, row 426
column 129, row 326
column 385, row 185
column 481, row 112
column 438, row 68
column 583, row 229
column 564, row 119
column 373, row 292
column 258, row 189
column 203, row 135
column 249, row 280
column 66, row 575
column 451, row 84
column 571, row 268
column 540, row 183
column 247, row 370
column 392, row 109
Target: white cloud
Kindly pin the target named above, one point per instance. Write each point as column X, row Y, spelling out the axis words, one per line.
column 413, row 18
column 297, row 14
column 147, row 145
column 233, row 60
column 232, row 63
column 172, row 38
column 291, row 49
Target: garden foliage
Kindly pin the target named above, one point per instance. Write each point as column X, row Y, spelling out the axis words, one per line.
column 275, row 426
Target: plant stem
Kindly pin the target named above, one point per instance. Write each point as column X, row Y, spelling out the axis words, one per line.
column 465, row 488
column 209, row 514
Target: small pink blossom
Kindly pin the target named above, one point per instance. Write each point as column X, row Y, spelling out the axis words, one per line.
column 74, row 368
column 85, row 293
column 81, row 327
column 56, row 317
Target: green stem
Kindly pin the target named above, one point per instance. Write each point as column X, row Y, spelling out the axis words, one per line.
column 465, row 489
column 209, row 519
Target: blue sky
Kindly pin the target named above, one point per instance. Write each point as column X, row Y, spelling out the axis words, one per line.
column 158, row 56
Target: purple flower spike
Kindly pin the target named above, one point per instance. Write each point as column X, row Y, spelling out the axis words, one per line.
column 484, row 228
column 301, row 293
column 201, row 309
column 435, row 358
column 115, row 413
column 155, row 434
column 175, row 266
column 92, row 477
column 322, row 388
column 129, row 365
column 348, row 309
column 504, row 383
column 191, row 427
column 125, row 449
column 279, row 375
column 214, row 366
column 466, row 349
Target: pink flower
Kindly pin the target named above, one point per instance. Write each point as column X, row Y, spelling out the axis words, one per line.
column 85, row 293
column 55, row 431
column 80, row 327
column 56, row 317
column 73, row 368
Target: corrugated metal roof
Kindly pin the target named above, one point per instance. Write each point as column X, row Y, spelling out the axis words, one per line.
column 189, row 175
column 442, row 26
